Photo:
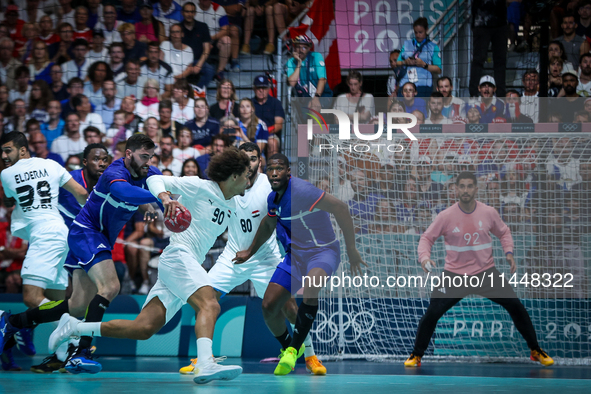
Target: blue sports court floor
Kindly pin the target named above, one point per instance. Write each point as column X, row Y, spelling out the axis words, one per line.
column 160, row 375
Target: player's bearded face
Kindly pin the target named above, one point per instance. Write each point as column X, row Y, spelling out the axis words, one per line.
column 466, row 190
column 140, row 163
column 9, row 154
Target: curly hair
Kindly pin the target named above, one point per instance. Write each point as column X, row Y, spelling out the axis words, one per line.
column 230, row 162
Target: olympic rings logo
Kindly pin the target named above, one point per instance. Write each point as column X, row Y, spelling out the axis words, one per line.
column 476, row 128
column 569, row 127
column 327, row 328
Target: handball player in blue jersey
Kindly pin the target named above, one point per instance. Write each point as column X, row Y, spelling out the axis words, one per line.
column 301, row 214
column 120, row 190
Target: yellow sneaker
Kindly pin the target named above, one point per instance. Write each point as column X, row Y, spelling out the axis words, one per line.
column 541, row 356
column 300, row 353
column 190, row 369
column 245, row 49
column 413, row 361
column 315, row 366
column 269, row 49
column 287, row 362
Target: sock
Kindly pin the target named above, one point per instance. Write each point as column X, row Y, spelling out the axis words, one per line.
column 62, row 351
column 94, row 313
column 309, row 350
column 88, row 330
column 46, row 313
column 284, row 339
column 204, row 351
column 304, row 321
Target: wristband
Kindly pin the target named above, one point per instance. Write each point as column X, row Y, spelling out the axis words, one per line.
column 426, row 66
column 508, row 253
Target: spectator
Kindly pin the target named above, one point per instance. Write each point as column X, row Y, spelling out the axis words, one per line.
column 183, row 106
column 98, row 52
column 219, row 30
column 8, row 63
column 252, row 128
column 95, row 11
column 129, row 13
column 230, row 127
column 514, row 108
column 110, row 103
column 258, row 9
column 581, row 117
column 421, row 59
column 39, row 100
column 38, row 145
column 587, row 106
column 92, row 135
column 168, row 12
column 77, row 67
column 435, row 108
column 219, row 143
column 81, row 29
column 530, row 103
column 571, row 102
column 149, row 28
column 584, row 25
column 411, row 102
column 109, row 24
column 513, row 188
column 40, row 66
column 555, row 48
column 185, row 149
column 190, row 168
column 54, row 127
column 118, row 131
column 132, row 121
column 574, row 45
column 384, row 218
column 270, row 111
column 26, row 49
column 562, row 167
column 167, row 160
column 511, row 215
column 117, row 57
column 393, row 80
column 98, row 73
column 489, row 25
column 72, row 142
column 452, row 106
column 584, row 86
column 67, row 12
column 22, row 89
column 132, row 48
column 286, row 14
column 226, row 100
column 19, row 117
column 62, row 51
column 5, row 106
column 74, row 88
column 73, row 163
column 167, row 125
column 363, row 204
column 420, row 116
column 427, row 189
column 87, row 118
column 46, row 33
column 202, row 126
column 306, row 70
column 555, row 76
column 405, row 209
column 491, row 108
column 152, row 129
column 148, row 106
column 451, row 194
column 424, row 218
column 157, row 237
column 356, row 101
column 196, row 35
column 177, row 54
column 157, row 69
column 131, row 82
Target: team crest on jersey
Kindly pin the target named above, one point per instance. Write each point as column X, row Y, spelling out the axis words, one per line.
column 256, row 214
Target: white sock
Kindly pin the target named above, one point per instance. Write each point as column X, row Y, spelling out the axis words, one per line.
column 88, row 329
column 309, row 350
column 62, row 351
column 204, row 351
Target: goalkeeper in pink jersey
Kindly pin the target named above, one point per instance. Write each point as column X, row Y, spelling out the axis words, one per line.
column 466, row 228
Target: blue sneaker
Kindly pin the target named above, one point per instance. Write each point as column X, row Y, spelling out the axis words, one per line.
column 82, row 362
column 7, row 331
column 8, row 363
column 24, row 341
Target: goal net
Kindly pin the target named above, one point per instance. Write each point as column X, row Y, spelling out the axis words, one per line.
column 539, row 184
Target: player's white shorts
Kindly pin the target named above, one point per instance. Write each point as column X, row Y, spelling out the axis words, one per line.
column 44, row 262
column 225, row 275
column 179, row 276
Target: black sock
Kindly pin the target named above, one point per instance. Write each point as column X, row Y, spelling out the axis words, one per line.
column 304, row 322
column 48, row 312
column 94, row 313
column 284, row 339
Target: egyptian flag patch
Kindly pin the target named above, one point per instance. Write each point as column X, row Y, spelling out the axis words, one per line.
column 256, row 214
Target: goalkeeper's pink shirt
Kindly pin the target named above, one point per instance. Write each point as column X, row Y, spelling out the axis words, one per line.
column 468, row 243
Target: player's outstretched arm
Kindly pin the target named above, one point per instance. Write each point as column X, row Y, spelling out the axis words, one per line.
column 265, row 230
column 340, row 210
column 77, row 190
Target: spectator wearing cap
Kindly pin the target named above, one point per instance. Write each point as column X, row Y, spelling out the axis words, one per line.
column 513, row 108
column 411, row 102
column 81, row 30
column 269, row 110
column 420, row 56
column 356, row 101
column 109, row 25
column 435, row 110
column 132, row 48
column 78, row 66
column 129, row 12
column 571, row 102
column 154, row 68
column 98, row 52
column 226, row 100
column 149, row 28
column 584, row 86
column 491, row 108
column 306, row 69
column 574, row 45
column 8, row 63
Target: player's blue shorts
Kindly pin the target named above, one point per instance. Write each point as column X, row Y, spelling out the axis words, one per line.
column 71, row 263
column 88, row 247
column 295, row 265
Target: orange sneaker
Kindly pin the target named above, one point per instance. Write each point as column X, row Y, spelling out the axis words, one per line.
column 315, row 366
column 541, row 356
column 413, row 361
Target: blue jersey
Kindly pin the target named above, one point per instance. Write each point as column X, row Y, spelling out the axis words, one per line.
column 105, row 212
column 299, row 224
column 67, row 203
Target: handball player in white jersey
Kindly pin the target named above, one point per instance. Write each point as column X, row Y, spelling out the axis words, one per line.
column 181, row 278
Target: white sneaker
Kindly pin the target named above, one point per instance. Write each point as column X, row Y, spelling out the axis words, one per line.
column 190, row 369
column 206, row 372
column 145, row 289
column 65, row 329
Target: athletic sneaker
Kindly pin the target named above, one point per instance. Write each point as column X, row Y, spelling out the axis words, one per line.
column 315, row 366
column 190, row 369
column 8, row 363
column 541, row 356
column 300, row 353
column 49, row 365
column 82, row 362
column 145, row 288
column 235, row 66
column 269, row 48
column 7, row 331
column 24, row 341
column 287, row 362
column 413, row 361
column 209, row 371
column 64, row 331
column 245, row 49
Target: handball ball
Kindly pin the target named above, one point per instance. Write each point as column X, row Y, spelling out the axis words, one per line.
column 179, row 222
